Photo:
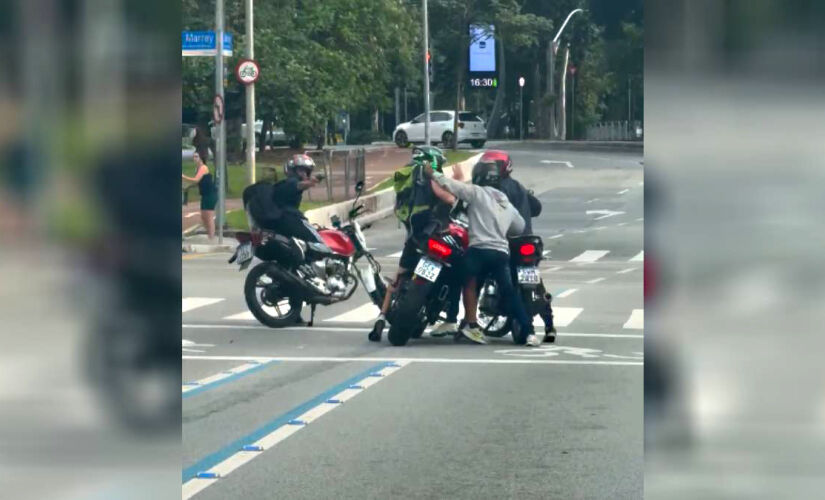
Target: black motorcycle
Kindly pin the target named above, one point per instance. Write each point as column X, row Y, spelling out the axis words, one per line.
column 526, row 252
column 421, row 298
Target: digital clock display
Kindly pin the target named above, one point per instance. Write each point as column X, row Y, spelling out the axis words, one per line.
column 484, row 82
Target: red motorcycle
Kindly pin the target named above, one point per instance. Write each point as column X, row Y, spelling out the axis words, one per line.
column 294, row 272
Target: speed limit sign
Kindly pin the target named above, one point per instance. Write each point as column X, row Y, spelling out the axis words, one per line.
column 247, row 71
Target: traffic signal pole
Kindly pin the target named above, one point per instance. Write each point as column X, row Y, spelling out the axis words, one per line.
column 426, row 76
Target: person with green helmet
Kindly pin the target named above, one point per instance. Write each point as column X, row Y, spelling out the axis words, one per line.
column 419, row 203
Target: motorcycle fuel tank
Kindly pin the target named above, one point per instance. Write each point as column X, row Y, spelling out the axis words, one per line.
column 338, row 242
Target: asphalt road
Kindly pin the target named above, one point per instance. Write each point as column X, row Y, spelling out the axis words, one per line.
column 434, row 419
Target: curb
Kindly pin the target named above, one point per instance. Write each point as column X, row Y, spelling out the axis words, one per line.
column 208, row 248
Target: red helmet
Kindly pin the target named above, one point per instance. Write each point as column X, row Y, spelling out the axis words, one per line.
column 500, row 158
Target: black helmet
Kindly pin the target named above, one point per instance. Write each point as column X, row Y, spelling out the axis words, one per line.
column 486, row 174
column 299, row 162
column 431, row 154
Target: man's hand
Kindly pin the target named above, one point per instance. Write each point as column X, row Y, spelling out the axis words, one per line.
column 427, row 171
column 458, row 173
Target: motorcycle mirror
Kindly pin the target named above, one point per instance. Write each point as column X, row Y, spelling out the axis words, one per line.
column 359, row 186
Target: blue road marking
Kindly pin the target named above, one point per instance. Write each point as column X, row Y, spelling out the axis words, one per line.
column 230, row 449
column 218, row 383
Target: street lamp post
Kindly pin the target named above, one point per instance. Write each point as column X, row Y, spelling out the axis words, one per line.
column 426, row 76
column 552, row 63
column 220, row 149
column 250, row 99
column 521, row 108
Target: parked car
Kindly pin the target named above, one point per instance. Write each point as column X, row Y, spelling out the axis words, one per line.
column 471, row 129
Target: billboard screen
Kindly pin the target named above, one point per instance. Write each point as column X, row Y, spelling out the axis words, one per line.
column 482, row 49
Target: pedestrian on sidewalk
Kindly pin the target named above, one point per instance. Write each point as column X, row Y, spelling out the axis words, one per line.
column 207, row 189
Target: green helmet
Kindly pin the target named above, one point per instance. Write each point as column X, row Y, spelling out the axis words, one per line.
column 431, row 154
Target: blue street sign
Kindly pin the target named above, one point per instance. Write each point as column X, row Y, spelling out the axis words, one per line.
column 202, row 43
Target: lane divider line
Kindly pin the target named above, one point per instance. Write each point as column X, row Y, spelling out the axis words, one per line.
column 221, row 463
column 189, row 389
column 190, row 303
column 594, row 281
column 471, row 361
column 625, row 271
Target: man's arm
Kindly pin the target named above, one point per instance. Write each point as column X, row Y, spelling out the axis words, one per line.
column 516, row 223
column 465, row 192
column 442, row 194
column 304, row 185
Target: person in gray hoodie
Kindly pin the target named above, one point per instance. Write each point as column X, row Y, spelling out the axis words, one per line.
column 492, row 218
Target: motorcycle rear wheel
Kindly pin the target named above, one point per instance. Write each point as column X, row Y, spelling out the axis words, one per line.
column 267, row 302
column 407, row 320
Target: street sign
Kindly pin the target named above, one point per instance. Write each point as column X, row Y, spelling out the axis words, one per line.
column 202, row 43
column 217, row 109
column 247, row 71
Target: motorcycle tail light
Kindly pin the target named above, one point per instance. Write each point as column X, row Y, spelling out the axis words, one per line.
column 439, row 249
column 527, row 249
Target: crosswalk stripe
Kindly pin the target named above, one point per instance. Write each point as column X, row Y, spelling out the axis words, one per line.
column 562, row 316
column 246, row 315
column 639, row 257
column 590, row 256
column 190, row 303
column 361, row 314
column 636, row 320
column 394, row 255
column 567, row 293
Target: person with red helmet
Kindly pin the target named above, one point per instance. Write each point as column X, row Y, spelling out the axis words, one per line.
column 528, row 206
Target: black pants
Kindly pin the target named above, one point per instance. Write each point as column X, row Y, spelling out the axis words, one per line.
column 292, row 224
column 482, row 262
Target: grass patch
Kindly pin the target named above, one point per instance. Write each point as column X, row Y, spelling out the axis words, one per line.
column 236, row 175
column 236, row 219
column 457, row 156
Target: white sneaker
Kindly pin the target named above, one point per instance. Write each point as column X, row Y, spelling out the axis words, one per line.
column 474, row 334
column 534, row 340
column 443, row 330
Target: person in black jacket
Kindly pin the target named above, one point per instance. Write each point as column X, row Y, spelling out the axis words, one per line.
column 528, row 207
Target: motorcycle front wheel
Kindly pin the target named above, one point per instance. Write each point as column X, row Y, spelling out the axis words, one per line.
column 267, row 301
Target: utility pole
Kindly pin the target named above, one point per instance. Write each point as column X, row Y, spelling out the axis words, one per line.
column 250, row 99
column 573, row 106
column 220, row 149
column 629, row 117
column 521, row 108
column 426, row 76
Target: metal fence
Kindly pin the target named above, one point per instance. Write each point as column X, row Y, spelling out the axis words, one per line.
column 343, row 169
column 615, row 131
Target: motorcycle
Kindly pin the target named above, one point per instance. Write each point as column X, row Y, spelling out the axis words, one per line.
column 294, row 272
column 526, row 252
column 420, row 299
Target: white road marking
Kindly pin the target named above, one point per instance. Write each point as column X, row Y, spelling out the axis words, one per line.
column 622, row 224
column 189, row 386
column 555, row 236
column 424, row 360
column 362, row 330
column 623, row 191
column 594, row 281
column 625, row 271
column 636, row 320
column 603, row 214
column 590, row 256
column 394, row 255
column 361, row 314
column 555, row 268
column 562, row 316
column 640, row 219
column 190, row 303
column 639, row 257
column 244, row 316
column 567, row 293
column 550, row 162
column 591, row 201
column 545, row 253
column 196, row 485
column 599, row 228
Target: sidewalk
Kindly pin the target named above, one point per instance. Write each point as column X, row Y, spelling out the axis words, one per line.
column 191, row 214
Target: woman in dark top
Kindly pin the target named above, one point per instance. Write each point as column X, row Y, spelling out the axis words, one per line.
column 208, row 192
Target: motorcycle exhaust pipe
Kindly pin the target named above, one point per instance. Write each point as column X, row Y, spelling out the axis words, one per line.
column 300, row 288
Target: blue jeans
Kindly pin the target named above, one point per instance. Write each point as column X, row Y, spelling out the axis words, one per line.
column 482, row 262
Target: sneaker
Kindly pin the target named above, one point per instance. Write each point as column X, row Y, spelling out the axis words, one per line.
column 377, row 330
column 550, row 335
column 533, row 340
column 444, row 329
column 473, row 333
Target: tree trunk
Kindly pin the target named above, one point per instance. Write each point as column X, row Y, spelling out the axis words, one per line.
column 375, row 120
column 494, row 124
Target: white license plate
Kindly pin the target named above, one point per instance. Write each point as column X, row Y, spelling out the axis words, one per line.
column 244, row 253
column 528, row 275
column 428, row 269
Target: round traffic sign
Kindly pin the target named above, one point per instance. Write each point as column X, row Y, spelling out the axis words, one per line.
column 217, row 109
column 247, row 71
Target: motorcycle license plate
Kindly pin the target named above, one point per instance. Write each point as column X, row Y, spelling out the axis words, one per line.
column 529, row 275
column 243, row 253
column 428, row 269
